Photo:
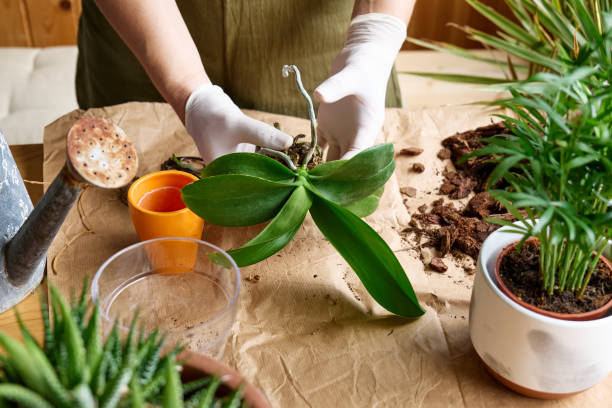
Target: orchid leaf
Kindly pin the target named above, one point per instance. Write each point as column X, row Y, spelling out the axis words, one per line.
column 250, row 164
column 275, row 236
column 369, row 256
column 236, row 200
column 366, row 206
column 358, row 177
column 326, row 168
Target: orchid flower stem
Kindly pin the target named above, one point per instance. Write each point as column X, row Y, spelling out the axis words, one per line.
column 313, row 120
column 281, row 155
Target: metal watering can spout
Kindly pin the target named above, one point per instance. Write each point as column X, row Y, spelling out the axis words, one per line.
column 98, row 153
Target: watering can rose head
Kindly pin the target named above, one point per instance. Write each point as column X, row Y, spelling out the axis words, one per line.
column 242, row 189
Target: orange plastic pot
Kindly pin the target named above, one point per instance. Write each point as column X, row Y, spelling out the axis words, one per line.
column 157, row 211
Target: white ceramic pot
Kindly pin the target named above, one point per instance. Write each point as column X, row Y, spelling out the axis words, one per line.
column 536, row 355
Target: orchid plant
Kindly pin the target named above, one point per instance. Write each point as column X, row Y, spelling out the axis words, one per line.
column 241, row 189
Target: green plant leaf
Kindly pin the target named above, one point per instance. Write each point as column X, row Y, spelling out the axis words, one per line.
column 83, row 396
column 326, row 168
column 460, row 52
column 369, row 256
column 505, row 24
column 235, row 399
column 56, row 392
column 120, row 379
column 275, row 236
column 581, row 161
column 464, row 79
column 544, row 220
column 23, row 396
column 136, row 397
column 358, row 177
column 589, row 26
column 236, row 200
column 151, row 359
column 48, row 332
column 77, row 368
column 195, row 385
column 523, row 52
column 209, row 395
column 23, row 364
column 553, row 21
column 502, row 168
column 173, row 394
column 249, row 164
column 366, row 206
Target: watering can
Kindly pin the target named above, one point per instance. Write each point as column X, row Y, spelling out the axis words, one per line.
column 98, row 153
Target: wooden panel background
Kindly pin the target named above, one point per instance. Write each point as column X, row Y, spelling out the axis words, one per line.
column 38, row 23
column 41, row 23
column 431, row 20
column 14, row 26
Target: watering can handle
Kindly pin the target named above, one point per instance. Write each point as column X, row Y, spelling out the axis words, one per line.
column 27, row 249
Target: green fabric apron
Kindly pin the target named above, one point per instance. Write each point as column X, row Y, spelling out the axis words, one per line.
column 243, row 45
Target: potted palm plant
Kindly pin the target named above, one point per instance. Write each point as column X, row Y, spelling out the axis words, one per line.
column 543, row 290
column 76, row 367
column 555, row 165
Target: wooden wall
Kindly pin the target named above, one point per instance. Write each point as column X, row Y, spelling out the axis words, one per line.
column 40, row 23
column 431, row 19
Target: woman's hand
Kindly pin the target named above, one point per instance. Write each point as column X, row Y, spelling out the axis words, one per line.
column 352, row 99
column 218, row 126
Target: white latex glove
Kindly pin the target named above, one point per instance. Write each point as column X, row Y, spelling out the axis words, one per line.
column 352, row 99
column 218, row 126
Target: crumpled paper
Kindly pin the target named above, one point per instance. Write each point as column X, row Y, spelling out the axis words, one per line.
column 307, row 332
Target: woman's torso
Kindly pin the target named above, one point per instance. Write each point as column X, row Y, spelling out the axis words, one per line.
column 243, row 46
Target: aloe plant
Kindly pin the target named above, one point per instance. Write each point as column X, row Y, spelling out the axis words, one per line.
column 76, row 367
column 242, row 189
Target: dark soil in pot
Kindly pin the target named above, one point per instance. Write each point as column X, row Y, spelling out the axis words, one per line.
column 520, row 273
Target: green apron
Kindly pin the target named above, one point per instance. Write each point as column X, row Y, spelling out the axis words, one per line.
column 243, row 45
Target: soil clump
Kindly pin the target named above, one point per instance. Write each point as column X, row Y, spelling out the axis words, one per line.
column 471, row 175
column 410, row 151
column 452, row 227
column 449, row 229
column 418, row 167
column 438, row 265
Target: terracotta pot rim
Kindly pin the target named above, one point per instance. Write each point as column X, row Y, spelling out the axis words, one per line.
column 585, row 316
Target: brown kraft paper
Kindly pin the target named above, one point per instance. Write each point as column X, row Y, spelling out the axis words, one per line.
column 307, row 332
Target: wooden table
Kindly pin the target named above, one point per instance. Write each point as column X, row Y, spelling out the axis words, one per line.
column 417, row 92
